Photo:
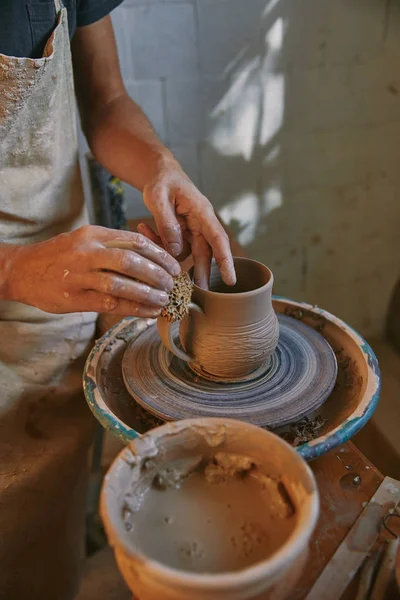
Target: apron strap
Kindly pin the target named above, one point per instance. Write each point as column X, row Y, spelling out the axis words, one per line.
column 58, row 5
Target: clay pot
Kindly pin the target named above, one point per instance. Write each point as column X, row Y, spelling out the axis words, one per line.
column 229, row 331
column 273, row 578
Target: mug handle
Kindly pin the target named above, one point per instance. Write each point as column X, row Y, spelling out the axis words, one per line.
column 165, row 332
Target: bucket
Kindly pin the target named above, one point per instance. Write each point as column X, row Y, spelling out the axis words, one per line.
column 209, row 509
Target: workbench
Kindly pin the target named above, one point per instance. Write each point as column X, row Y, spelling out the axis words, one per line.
column 346, row 480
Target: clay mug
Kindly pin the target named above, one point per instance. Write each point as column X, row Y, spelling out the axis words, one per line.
column 229, row 331
column 274, row 578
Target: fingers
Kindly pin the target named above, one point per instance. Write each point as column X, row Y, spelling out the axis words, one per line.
column 134, row 266
column 146, row 248
column 187, row 241
column 202, row 255
column 217, row 238
column 103, row 303
column 147, row 231
column 157, row 200
column 116, row 286
column 146, row 261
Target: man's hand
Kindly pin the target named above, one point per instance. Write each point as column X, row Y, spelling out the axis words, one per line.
column 185, row 219
column 92, row 269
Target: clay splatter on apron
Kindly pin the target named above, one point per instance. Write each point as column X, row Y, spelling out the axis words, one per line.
column 45, row 426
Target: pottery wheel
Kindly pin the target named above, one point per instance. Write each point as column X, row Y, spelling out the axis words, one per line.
column 299, row 378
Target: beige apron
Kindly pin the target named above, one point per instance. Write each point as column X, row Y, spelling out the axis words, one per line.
column 45, row 426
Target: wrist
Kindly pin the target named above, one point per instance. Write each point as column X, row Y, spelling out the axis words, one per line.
column 8, row 254
column 163, row 165
column 163, row 160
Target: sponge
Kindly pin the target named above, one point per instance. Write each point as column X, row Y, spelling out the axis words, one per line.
column 179, row 299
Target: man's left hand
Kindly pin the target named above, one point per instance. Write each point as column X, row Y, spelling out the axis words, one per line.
column 187, row 223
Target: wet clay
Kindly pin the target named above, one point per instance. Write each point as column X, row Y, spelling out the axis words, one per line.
column 228, row 332
column 209, row 516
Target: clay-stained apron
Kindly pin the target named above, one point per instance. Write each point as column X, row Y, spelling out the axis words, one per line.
column 45, row 427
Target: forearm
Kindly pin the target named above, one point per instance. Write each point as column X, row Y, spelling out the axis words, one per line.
column 123, row 140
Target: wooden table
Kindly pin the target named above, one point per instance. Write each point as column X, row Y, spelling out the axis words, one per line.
column 343, row 495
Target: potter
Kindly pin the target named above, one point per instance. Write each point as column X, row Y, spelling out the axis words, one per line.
column 57, row 271
column 229, row 331
column 209, row 509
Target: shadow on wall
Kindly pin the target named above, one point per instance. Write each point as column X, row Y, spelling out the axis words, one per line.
column 301, row 153
column 293, row 120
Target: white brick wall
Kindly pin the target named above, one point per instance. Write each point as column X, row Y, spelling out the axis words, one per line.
column 287, row 114
column 162, row 40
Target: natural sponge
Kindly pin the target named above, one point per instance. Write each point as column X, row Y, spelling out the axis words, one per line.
column 179, row 299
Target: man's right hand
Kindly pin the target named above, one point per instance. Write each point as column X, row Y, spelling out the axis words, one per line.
column 91, row 269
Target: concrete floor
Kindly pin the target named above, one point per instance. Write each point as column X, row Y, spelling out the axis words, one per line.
column 379, row 441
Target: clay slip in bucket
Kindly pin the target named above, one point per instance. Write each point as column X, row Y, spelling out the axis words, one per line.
column 209, row 509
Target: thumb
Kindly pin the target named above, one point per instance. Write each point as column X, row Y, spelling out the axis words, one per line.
column 157, row 201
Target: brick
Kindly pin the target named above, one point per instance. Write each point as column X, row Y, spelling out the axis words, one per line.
column 356, row 31
column 319, row 33
column 342, row 96
column 331, row 158
column 226, row 178
column 190, row 104
column 306, row 36
column 141, row 2
column 283, row 255
column 344, row 302
column 120, row 21
column 347, row 241
column 237, row 127
column 162, row 41
column 391, row 37
column 228, row 33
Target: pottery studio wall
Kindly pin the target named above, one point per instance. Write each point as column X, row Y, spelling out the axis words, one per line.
column 287, row 114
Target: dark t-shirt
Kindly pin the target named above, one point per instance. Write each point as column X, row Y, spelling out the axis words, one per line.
column 26, row 25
